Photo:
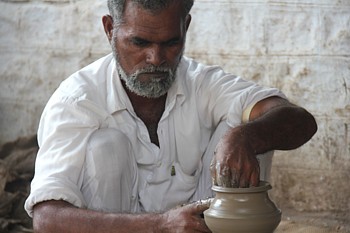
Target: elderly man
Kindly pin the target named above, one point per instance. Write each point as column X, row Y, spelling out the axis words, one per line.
column 127, row 140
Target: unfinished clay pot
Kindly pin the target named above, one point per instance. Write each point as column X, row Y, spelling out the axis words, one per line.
column 238, row 210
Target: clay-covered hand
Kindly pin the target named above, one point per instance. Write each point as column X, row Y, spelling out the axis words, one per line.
column 234, row 163
column 185, row 219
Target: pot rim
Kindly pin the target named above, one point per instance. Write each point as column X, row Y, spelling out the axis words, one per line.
column 263, row 186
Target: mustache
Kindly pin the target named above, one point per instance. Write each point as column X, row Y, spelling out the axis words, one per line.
column 154, row 69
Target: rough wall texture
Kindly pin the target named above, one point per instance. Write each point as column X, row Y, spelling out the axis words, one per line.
column 303, row 48
column 299, row 46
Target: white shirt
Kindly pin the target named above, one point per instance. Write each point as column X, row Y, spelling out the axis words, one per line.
column 93, row 98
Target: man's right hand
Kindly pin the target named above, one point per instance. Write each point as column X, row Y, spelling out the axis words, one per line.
column 186, row 218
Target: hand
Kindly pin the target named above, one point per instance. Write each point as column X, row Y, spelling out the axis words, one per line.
column 186, row 218
column 234, row 163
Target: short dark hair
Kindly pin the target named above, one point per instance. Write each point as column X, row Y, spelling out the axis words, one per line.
column 116, row 7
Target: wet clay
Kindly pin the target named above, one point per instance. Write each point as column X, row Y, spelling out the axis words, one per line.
column 242, row 210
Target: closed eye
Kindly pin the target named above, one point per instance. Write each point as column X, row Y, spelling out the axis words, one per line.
column 172, row 42
column 140, row 42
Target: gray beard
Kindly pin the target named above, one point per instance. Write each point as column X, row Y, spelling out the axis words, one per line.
column 154, row 87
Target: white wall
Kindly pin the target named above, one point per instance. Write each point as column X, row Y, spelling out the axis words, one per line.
column 299, row 46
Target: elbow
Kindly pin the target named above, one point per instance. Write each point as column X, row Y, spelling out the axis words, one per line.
column 305, row 128
column 311, row 126
column 43, row 213
column 39, row 222
column 37, row 226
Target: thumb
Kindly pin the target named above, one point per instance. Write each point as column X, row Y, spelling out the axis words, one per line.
column 199, row 206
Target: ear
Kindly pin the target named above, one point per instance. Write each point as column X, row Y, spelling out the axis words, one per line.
column 188, row 21
column 107, row 21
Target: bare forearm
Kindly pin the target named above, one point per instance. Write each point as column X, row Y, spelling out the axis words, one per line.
column 275, row 124
column 281, row 128
column 59, row 216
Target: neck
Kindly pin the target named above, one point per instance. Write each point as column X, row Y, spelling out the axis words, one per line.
column 149, row 110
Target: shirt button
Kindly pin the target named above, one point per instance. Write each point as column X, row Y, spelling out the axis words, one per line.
column 149, row 177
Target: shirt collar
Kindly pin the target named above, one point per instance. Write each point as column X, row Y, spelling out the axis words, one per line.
column 117, row 99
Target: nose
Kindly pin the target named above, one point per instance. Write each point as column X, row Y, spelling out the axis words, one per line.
column 155, row 55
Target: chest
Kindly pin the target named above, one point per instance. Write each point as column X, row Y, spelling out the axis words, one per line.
column 180, row 135
column 151, row 118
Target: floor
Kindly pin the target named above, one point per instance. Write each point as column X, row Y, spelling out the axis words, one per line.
column 296, row 222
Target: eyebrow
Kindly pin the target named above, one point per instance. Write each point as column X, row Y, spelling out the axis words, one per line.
column 137, row 39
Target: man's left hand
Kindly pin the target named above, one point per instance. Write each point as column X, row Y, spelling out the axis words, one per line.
column 234, row 163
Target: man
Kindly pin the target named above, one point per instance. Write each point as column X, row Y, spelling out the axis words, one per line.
column 127, row 140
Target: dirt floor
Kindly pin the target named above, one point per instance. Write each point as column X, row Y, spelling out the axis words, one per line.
column 297, row 222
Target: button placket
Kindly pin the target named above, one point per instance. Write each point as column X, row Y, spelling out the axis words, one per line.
column 149, row 177
column 162, row 141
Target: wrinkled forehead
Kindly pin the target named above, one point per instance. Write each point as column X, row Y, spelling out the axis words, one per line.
column 162, row 26
column 154, row 5
column 139, row 18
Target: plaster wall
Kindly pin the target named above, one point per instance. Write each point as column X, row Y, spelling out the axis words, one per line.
column 299, row 46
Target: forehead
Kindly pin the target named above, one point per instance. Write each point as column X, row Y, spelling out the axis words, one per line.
column 148, row 24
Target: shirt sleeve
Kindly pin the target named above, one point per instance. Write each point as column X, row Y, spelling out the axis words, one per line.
column 230, row 98
column 246, row 113
column 64, row 130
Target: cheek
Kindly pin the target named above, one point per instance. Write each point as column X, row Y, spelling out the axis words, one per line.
column 174, row 55
column 130, row 59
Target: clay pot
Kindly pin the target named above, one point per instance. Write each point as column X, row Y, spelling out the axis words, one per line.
column 238, row 210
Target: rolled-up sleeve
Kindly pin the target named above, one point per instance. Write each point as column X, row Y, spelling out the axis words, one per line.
column 226, row 97
column 251, row 94
column 65, row 127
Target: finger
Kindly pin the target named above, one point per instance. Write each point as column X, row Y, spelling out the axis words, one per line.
column 250, row 175
column 244, row 177
column 199, row 206
column 206, row 202
column 217, row 174
column 255, row 177
column 223, row 175
column 244, row 180
column 234, row 178
column 212, row 169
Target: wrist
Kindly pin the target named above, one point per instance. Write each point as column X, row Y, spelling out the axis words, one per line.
column 159, row 224
column 251, row 135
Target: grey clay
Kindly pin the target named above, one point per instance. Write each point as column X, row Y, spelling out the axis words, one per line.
column 242, row 210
